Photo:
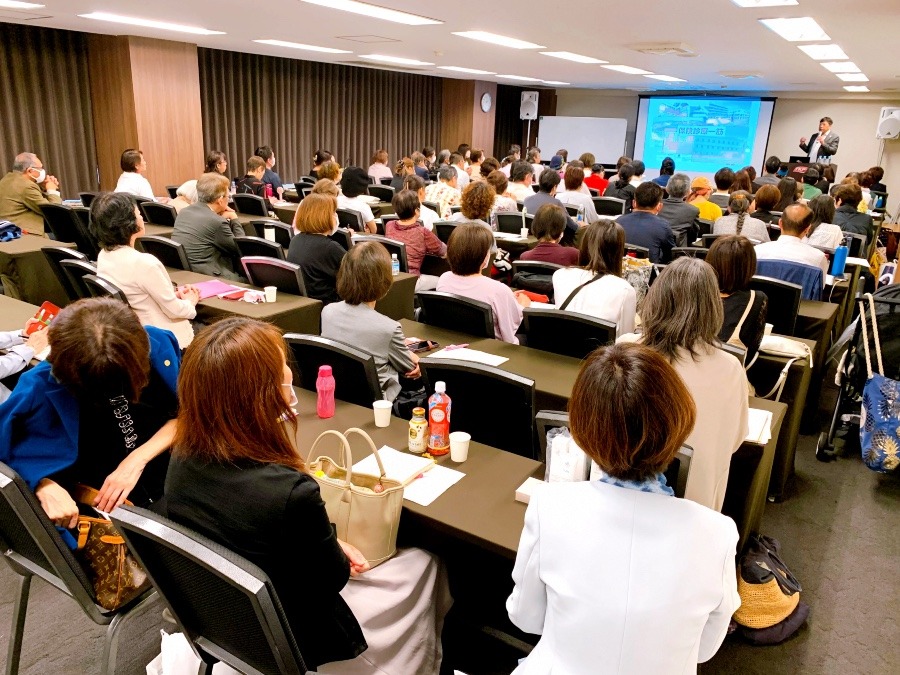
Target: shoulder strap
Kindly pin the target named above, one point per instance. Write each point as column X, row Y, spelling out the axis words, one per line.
column 740, row 324
column 865, row 336
column 578, row 288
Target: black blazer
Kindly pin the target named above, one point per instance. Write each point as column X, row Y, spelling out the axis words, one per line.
column 274, row 517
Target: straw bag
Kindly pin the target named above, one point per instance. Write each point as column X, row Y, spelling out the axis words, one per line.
column 879, row 422
column 116, row 576
column 769, row 592
column 364, row 508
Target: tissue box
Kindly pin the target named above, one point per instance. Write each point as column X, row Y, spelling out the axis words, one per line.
column 525, row 490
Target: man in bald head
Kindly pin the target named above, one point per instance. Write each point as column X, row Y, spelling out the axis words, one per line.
column 24, row 189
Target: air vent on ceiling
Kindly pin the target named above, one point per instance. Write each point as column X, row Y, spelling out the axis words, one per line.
column 665, row 49
column 367, row 39
column 741, row 74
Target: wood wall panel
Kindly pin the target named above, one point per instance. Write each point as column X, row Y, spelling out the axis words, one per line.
column 483, row 122
column 456, row 113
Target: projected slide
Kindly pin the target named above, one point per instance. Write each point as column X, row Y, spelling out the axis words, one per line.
column 701, row 134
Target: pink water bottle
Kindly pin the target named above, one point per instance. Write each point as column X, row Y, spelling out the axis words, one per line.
column 269, row 192
column 325, row 389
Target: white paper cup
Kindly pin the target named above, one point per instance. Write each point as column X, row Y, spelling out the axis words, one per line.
column 271, row 293
column 523, row 233
column 382, row 413
column 768, row 329
column 459, row 446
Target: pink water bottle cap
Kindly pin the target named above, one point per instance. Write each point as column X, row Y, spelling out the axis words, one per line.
column 324, row 371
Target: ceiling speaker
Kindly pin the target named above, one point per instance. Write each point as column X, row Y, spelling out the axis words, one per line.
column 888, row 124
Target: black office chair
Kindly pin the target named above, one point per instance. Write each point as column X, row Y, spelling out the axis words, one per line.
column 343, row 237
column 251, row 205
column 640, row 252
column 774, row 231
column 433, row 206
column 75, row 271
column 455, row 209
column 455, row 312
column 676, row 473
column 264, row 271
column 99, row 287
column 305, row 180
column 87, row 198
column 138, row 200
column 304, row 191
column 705, row 226
column 385, row 193
column 352, row 219
column 708, row 239
column 689, row 252
column 444, row 228
column 273, row 230
column 257, row 246
column 594, row 193
column 512, row 223
column 225, row 605
column 169, row 253
column 354, row 370
column 34, row 548
column 566, row 333
column 574, row 211
column 535, row 276
column 496, row 407
column 784, row 302
column 433, row 265
column 855, row 243
column 609, row 206
column 66, row 225
column 172, row 190
column 392, row 245
column 54, row 256
column 159, row 214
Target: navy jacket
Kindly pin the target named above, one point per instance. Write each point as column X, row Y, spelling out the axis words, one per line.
column 650, row 231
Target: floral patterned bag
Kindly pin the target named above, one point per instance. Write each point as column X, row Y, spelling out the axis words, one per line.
column 879, row 424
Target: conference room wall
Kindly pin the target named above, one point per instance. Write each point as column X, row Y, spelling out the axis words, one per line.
column 510, row 128
column 45, row 103
column 298, row 107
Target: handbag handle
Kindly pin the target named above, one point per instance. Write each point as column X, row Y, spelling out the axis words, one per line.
column 360, row 432
column 346, row 455
column 85, row 494
column 862, row 318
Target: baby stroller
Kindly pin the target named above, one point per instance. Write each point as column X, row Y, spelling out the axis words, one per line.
column 852, row 372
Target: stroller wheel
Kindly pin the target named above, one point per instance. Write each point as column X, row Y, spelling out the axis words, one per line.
column 824, row 451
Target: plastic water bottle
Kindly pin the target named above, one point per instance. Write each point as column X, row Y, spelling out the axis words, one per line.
column 325, row 389
column 395, row 264
column 839, row 261
column 439, row 420
column 269, row 192
column 233, row 186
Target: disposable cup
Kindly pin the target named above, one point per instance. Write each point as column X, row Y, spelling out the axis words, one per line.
column 523, row 233
column 271, row 293
column 459, row 446
column 768, row 329
column 382, row 411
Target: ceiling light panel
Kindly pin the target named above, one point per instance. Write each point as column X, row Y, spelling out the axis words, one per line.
column 499, row 40
column 577, row 58
column 297, row 45
column 470, row 71
column 376, row 12
column 14, row 4
column 395, row 59
column 520, row 78
column 628, row 70
column 800, row 29
column 764, row 3
column 665, row 78
column 557, row 83
column 149, row 23
column 823, row 52
column 840, row 66
column 852, row 77
column 857, row 89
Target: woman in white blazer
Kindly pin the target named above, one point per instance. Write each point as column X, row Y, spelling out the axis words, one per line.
column 681, row 318
column 116, row 222
column 617, row 575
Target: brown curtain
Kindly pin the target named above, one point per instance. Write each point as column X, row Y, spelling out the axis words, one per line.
column 298, row 107
column 45, row 104
column 510, row 129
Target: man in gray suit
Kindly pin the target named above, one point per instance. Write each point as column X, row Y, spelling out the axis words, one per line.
column 681, row 216
column 548, row 184
column 207, row 229
column 824, row 144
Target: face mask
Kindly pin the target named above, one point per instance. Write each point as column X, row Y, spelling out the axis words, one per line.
column 293, row 403
column 337, row 224
column 42, row 175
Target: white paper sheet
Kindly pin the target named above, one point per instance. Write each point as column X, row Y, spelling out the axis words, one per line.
column 542, row 305
column 466, row 354
column 400, row 466
column 509, row 236
column 432, row 485
column 759, row 423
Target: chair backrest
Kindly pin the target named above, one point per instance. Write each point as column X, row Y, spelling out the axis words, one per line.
column 774, row 231
column 495, row 406
column 67, row 226
column 305, row 180
column 274, row 230
column 352, row 219
column 343, row 237
column 226, row 605
column 879, row 200
column 689, row 252
column 594, row 193
column 737, row 352
column 264, row 271
column 385, row 181
column 392, row 245
column 172, row 191
column 444, row 228
column 705, row 226
column 855, row 244
column 511, row 223
column 535, row 276
column 86, row 198
column 708, row 239
column 609, row 206
column 258, row 246
column 574, row 211
column 251, row 205
column 159, row 214
column 55, row 254
column 99, row 287
column 536, row 267
column 456, row 208
column 75, row 271
column 433, row 206
column 783, row 300
column 810, row 278
column 305, row 191
column 434, row 265
column 138, row 200
column 384, row 193
column 676, row 473
column 567, row 333
column 455, row 312
column 169, row 253
column 641, row 252
column 355, row 374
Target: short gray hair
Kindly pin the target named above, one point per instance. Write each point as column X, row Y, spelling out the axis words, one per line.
column 24, row 161
column 188, row 190
column 447, row 173
column 211, row 186
column 683, row 309
column 679, row 185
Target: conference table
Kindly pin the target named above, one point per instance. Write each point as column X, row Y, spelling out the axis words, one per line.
column 815, row 321
column 25, row 272
column 14, row 313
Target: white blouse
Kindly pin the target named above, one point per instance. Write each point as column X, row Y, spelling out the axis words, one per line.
column 136, row 184
column 610, row 298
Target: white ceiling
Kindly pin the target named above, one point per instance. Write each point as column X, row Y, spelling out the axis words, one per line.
column 726, row 37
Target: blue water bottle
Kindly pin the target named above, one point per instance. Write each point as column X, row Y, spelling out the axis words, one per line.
column 839, row 262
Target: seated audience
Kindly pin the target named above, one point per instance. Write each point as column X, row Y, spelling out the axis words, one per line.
column 430, row 158
column 464, row 150
column 681, row 318
column 739, row 220
column 185, row 195
column 62, row 424
column 847, row 199
column 318, row 255
column 216, row 162
column 699, row 197
column 504, row 201
column 379, row 168
column 318, row 160
column 116, row 223
column 652, row 587
column 549, row 224
column 443, row 159
column 363, row 279
column 420, row 164
column 597, row 288
column 330, row 170
column 578, row 164
column 24, row 190
column 770, row 173
column 469, row 252
column 207, row 229
column 734, row 260
column 573, row 196
column 723, row 179
column 476, row 157
column 132, row 178
column 270, row 177
column 790, row 246
column 426, row 215
column 596, row 180
column 323, row 186
column 877, row 174
column 681, row 216
column 865, row 184
column 557, row 163
column 790, row 192
column 822, row 231
column 548, row 184
column 476, row 204
column 741, row 182
column 639, row 169
column 751, row 173
column 390, row 615
column 514, row 154
column 666, row 171
column 354, row 189
column 563, row 155
column 766, row 198
column 252, row 183
column 405, row 167
column 458, row 162
column 489, row 164
column 521, row 176
column 533, row 157
column 810, row 179
column 621, row 187
column 444, row 192
column 18, row 350
column 419, row 241
column 644, row 227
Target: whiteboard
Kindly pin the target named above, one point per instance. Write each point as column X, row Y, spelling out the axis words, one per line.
column 603, row 137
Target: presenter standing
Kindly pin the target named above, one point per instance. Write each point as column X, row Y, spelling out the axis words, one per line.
column 823, row 145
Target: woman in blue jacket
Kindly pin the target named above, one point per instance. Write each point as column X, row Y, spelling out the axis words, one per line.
column 99, row 411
